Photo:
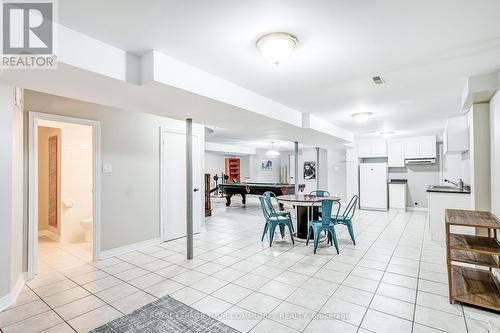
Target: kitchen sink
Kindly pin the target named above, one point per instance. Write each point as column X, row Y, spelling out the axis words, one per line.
column 444, row 187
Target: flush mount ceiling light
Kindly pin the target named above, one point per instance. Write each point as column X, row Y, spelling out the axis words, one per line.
column 387, row 134
column 362, row 117
column 272, row 152
column 277, row 46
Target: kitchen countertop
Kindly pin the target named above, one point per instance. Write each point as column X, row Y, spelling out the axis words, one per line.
column 447, row 189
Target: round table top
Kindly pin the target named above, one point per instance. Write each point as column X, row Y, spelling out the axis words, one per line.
column 304, row 199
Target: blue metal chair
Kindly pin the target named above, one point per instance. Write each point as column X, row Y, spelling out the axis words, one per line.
column 268, row 195
column 346, row 217
column 320, row 193
column 325, row 224
column 273, row 220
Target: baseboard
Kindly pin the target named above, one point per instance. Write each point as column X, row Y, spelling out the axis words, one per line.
column 50, row 234
column 416, row 209
column 11, row 297
column 5, row 302
column 128, row 248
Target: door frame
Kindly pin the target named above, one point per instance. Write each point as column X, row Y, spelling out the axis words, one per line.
column 34, row 118
column 162, row 176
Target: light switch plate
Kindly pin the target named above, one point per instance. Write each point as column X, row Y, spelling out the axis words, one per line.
column 107, row 168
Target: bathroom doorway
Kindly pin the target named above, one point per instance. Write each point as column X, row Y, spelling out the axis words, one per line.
column 62, row 233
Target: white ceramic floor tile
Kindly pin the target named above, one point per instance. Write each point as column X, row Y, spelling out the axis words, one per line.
column 277, row 289
column 132, row 302
column 94, row 318
column 164, row 288
column 393, row 307
column 188, row 295
column 211, row 306
column 353, row 295
column 259, row 303
column 34, row 324
column 292, row 315
column 344, row 311
column 440, row 320
column 116, row 292
column 79, row 307
column 232, row 293
column 308, row 299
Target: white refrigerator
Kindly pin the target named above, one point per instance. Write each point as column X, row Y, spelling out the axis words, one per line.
column 373, row 186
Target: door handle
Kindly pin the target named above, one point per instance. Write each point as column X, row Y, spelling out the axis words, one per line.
column 196, row 189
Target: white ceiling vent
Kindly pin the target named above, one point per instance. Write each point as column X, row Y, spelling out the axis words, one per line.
column 377, row 80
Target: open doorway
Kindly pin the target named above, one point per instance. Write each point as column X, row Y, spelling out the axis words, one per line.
column 63, row 227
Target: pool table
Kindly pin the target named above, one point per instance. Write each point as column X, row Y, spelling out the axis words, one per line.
column 230, row 189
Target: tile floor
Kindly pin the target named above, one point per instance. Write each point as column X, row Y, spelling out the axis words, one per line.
column 393, row 280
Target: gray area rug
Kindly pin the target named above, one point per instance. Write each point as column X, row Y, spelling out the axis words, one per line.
column 165, row 315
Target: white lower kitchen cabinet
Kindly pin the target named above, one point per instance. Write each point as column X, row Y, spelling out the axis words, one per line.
column 438, row 202
column 397, row 196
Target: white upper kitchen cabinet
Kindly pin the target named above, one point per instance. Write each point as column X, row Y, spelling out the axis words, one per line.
column 372, row 148
column 456, row 135
column 396, row 153
column 420, row 147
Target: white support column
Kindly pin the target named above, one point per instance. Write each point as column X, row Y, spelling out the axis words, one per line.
column 189, row 187
column 296, row 161
column 317, row 168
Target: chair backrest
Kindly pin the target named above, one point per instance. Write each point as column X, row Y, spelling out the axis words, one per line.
column 329, row 207
column 265, row 208
column 351, row 207
column 268, row 195
column 320, row 193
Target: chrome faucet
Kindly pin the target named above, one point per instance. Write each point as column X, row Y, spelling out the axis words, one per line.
column 459, row 184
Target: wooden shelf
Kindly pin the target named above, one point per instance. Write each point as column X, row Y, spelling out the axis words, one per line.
column 232, row 169
column 474, row 286
column 472, row 218
column 473, row 258
column 478, row 244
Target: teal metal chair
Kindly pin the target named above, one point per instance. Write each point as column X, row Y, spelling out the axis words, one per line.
column 268, row 195
column 325, row 223
column 273, row 220
column 320, row 193
column 346, row 217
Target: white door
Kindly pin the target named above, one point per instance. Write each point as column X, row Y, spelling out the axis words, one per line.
column 373, row 186
column 174, row 185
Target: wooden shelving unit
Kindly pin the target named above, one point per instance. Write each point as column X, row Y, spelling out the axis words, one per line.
column 232, row 166
column 473, row 284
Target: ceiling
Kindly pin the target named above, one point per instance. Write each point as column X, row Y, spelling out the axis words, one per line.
column 423, row 49
column 230, row 137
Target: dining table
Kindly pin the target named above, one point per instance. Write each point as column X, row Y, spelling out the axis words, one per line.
column 305, row 210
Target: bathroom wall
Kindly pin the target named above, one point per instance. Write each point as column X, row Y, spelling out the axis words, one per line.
column 76, row 172
column 44, row 229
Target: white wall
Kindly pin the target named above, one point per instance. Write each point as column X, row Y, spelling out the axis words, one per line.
column 130, row 204
column 215, row 164
column 479, row 152
column 419, row 178
column 258, row 175
column 495, row 153
column 337, row 174
column 11, row 194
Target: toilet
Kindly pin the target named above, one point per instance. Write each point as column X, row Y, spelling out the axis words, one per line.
column 87, row 226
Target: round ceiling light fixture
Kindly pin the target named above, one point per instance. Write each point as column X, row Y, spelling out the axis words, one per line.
column 277, row 46
column 272, row 152
column 387, row 134
column 362, row 117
